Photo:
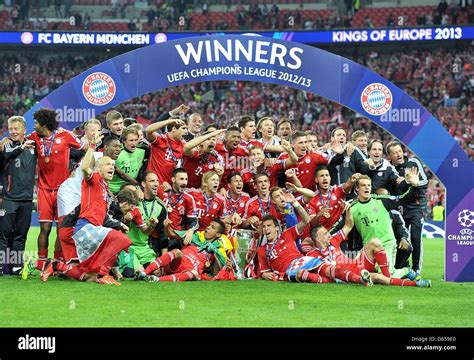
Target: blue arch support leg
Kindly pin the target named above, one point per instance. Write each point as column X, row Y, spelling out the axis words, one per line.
column 253, row 58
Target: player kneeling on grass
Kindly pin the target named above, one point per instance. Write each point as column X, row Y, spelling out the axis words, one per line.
column 97, row 246
column 328, row 249
column 280, row 258
column 194, row 259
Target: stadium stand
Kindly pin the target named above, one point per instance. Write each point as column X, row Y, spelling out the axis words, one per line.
column 105, row 15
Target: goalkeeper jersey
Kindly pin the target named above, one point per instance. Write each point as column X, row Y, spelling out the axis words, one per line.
column 372, row 218
column 148, row 208
column 130, row 163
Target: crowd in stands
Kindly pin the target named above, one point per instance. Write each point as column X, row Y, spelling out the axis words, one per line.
column 256, row 15
column 422, row 74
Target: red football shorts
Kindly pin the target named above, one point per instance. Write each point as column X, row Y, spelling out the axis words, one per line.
column 68, row 245
column 179, row 265
column 47, row 205
column 358, row 264
column 107, row 252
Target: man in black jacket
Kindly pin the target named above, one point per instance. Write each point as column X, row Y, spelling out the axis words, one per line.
column 402, row 235
column 413, row 206
column 114, row 127
column 382, row 172
column 351, row 161
column 19, row 168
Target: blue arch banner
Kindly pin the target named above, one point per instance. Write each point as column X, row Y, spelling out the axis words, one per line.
column 253, row 58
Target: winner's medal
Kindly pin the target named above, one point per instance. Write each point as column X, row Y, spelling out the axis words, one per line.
column 47, row 151
column 327, row 213
column 171, row 204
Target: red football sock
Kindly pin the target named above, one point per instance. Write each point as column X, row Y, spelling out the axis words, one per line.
column 60, row 266
column 322, row 270
column 347, row 276
column 160, row 262
column 306, row 276
column 43, row 256
column 73, row 272
column 402, row 282
column 104, row 270
column 381, row 259
column 58, row 255
column 185, row 276
column 306, row 248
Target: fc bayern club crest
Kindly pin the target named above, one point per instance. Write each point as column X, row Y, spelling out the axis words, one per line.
column 376, row 99
column 99, row 88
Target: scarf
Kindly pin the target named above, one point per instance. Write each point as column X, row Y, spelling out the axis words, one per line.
column 219, row 247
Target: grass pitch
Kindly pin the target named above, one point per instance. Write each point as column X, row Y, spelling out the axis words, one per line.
column 248, row 303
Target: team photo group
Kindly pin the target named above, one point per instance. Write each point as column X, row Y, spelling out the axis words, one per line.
column 182, row 199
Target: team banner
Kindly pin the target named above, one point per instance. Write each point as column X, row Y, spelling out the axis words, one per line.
column 253, row 58
column 306, row 37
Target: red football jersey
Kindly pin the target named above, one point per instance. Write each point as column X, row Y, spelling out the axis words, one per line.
column 180, row 206
column 53, row 173
column 193, row 259
column 333, row 254
column 248, row 175
column 197, row 165
column 254, row 142
column 237, row 206
column 306, row 167
column 281, row 216
column 257, row 207
column 137, row 217
column 166, row 155
column 279, row 255
column 94, row 199
column 249, row 182
column 208, row 208
column 234, row 160
column 279, row 165
column 336, row 197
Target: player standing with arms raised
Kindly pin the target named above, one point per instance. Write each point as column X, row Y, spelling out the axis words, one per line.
column 412, row 207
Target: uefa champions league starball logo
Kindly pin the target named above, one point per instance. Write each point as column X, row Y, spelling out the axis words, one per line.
column 376, row 99
column 466, row 235
column 466, row 218
column 98, row 88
